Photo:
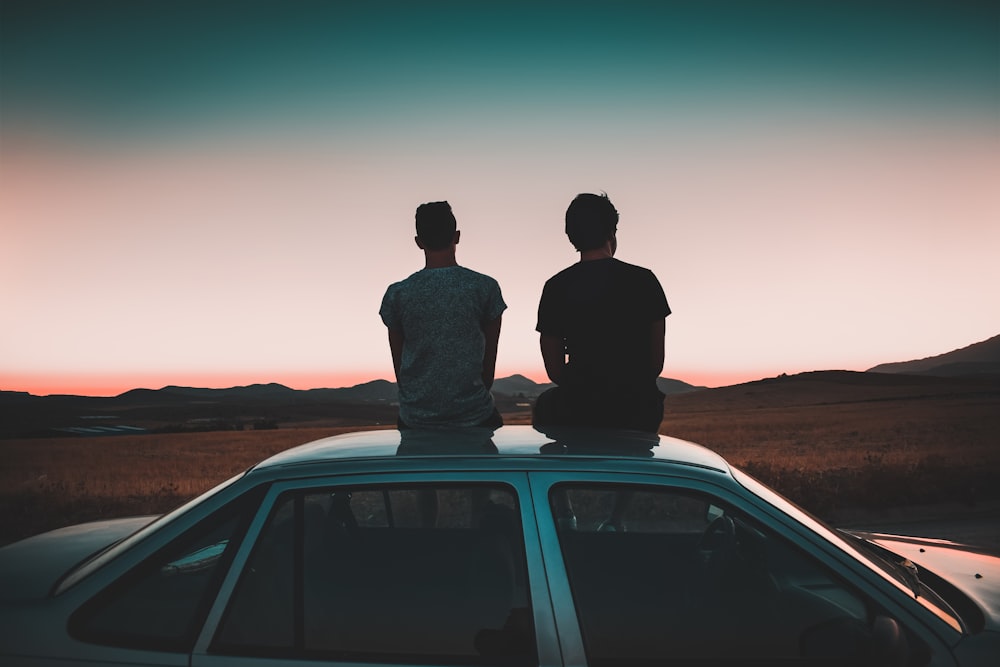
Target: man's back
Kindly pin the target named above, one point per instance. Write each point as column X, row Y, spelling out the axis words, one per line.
column 607, row 317
column 442, row 312
column 603, row 310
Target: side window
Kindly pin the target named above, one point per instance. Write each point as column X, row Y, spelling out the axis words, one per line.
column 162, row 603
column 664, row 576
column 432, row 574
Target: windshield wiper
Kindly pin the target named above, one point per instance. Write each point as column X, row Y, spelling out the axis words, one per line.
column 910, row 575
column 905, row 568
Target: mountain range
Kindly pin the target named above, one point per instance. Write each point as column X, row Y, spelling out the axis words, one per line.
column 981, row 358
column 175, row 408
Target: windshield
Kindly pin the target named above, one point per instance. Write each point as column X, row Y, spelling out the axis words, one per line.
column 892, row 567
column 104, row 556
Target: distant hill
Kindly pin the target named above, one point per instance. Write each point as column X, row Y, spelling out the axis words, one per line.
column 371, row 403
column 981, row 358
column 376, row 390
column 518, row 385
column 669, row 386
column 174, row 408
column 825, row 388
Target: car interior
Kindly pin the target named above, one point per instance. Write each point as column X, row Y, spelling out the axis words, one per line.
column 679, row 577
column 384, row 572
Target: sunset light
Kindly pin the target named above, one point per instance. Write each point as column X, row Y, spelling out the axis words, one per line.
column 219, row 197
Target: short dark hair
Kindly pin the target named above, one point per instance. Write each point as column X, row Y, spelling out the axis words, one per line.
column 436, row 225
column 590, row 221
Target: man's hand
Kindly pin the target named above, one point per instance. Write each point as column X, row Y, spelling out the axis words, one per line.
column 554, row 356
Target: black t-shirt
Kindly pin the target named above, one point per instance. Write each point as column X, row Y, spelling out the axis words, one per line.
column 603, row 310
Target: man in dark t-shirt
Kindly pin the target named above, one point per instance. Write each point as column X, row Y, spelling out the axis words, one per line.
column 608, row 318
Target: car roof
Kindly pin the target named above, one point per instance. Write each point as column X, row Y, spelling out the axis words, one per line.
column 506, row 443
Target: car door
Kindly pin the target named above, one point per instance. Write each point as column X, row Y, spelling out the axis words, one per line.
column 149, row 607
column 646, row 570
column 408, row 568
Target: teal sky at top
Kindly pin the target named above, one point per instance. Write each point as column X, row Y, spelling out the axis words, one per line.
column 141, row 67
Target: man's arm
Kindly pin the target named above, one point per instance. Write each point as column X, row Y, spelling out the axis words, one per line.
column 491, row 332
column 656, row 340
column 396, row 347
column 554, row 356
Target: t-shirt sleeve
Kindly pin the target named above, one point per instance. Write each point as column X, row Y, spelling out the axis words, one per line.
column 388, row 310
column 657, row 300
column 495, row 304
column 549, row 318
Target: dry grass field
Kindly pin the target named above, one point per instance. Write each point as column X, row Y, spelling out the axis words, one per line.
column 46, row 483
column 868, row 455
column 823, row 440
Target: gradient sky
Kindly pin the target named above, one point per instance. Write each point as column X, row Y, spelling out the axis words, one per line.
column 218, row 194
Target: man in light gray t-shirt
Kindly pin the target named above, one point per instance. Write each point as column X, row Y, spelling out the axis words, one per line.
column 444, row 328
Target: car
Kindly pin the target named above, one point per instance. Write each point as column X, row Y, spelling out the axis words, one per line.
column 514, row 546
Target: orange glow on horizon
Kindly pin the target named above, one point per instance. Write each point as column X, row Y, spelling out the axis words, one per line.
column 113, row 384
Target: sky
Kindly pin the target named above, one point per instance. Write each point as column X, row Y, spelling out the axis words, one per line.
column 218, row 194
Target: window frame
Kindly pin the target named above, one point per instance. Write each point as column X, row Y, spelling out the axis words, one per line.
column 860, row 577
column 204, row 653
column 94, row 565
column 941, row 611
column 243, row 509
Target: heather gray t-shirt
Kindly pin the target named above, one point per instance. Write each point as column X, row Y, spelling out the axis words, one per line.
column 441, row 313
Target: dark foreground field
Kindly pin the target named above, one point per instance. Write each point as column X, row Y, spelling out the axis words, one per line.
column 858, row 449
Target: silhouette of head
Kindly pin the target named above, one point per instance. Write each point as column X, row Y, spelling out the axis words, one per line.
column 590, row 221
column 435, row 225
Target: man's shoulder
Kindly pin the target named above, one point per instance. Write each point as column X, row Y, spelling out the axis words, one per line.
column 607, row 266
column 630, row 268
column 566, row 274
column 443, row 278
column 633, row 273
column 402, row 284
column 471, row 272
column 469, row 276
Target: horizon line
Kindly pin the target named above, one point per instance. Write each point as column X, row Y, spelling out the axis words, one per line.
column 110, row 387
